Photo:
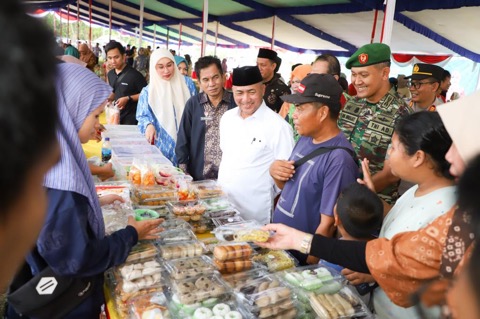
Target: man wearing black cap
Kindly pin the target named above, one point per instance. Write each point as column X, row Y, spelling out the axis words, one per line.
column 251, row 137
column 269, row 62
column 424, row 84
column 368, row 119
column 310, row 190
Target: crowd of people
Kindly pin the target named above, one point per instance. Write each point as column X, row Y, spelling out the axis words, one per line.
column 397, row 181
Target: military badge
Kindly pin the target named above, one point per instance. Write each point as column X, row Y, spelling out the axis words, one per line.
column 363, row 58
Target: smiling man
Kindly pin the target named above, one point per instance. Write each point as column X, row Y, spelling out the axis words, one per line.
column 198, row 141
column 368, row 119
column 424, row 84
column 310, row 190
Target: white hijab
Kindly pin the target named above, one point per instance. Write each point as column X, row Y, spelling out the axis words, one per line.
column 162, row 94
column 460, row 118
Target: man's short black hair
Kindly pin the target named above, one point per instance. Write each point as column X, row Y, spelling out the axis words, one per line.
column 446, row 74
column 360, row 210
column 115, row 45
column 205, row 62
column 333, row 63
column 28, row 102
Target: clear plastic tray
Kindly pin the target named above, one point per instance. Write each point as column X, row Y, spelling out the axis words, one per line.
column 343, row 304
column 199, row 289
column 175, row 236
column 246, row 231
column 316, row 278
column 221, row 213
column 233, row 266
column 227, row 220
column 175, row 223
column 263, row 292
column 233, row 251
column 207, row 189
column 285, row 309
column 201, row 226
column 242, row 278
column 216, row 204
column 223, row 307
column 192, row 248
column 161, row 210
column 151, row 305
column 152, row 195
column 142, row 251
column 275, row 260
column 135, row 150
column 184, row 268
column 186, row 208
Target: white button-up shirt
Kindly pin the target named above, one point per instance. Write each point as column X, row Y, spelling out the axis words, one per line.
column 249, row 146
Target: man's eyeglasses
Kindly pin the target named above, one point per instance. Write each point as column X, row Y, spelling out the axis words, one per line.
column 417, row 85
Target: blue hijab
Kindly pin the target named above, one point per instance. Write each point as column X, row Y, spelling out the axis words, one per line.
column 79, row 93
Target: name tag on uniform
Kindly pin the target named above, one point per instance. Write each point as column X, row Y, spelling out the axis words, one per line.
column 123, row 83
column 205, row 118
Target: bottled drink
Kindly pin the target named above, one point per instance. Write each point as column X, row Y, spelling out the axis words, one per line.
column 106, row 150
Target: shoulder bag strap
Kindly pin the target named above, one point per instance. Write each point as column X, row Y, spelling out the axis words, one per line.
column 323, row 150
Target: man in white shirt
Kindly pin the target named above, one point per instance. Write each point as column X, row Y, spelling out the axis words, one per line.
column 252, row 136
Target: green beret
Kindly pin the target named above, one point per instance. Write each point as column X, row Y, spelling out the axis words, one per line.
column 369, row 54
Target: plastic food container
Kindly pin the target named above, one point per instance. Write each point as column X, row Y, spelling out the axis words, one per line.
column 175, row 223
column 199, row 289
column 207, row 189
column 192, row 248
column 201, row 226
column 227, row 220
column 236, row 251
column 223, row 307
column 342, row 304
column 175, row 236
column 162, row 210
column 242, row 278
column 216, row 204
column 141, row 251
column 145, row 214
column 152, row 305
column 184, row 268
column 152, row 195
column 246, row 231
column 221, row 213
column 275, row 260
column 262, row 293
column 186, row 208
column 315, row 278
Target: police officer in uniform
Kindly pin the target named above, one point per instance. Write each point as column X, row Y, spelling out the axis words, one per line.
column 268, row 62
column 424, row 84
column 368, row 119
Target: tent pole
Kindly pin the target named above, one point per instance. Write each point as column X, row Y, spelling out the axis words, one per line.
column 68, row 20
column 273, row 32
column 110, row 10
column 90, row 23
column 388, row 22
column 142, row 7
column 168, row 36
column 374, row 26
column 216, row 39
column 61, row 27
column 179, row 38
column 78, row 20
column 55, row 25
column 154, row 35
column 204, row 27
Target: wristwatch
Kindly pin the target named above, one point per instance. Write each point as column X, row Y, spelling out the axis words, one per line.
column 129, row 98
column 306, row 243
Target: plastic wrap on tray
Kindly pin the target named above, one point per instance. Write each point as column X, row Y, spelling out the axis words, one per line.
column 275, row 260
column 141, row 251
column 115, row 217
column 224, row 307
column 199, row 289
column 175, row 236
column 227, row 220
column 201, row 226
column 149, row 306
column 234, row 251
column 216, row 204
column 248, row 231
column 192, row 248
column 264, row 293
column 186, row 208
column 152, row 195
column 184, row 268
column 161, row 210
column 207, row 189
column 210, row 243
column 175, row 223
column 342, row 304
column 316, row 278
column 221, row 213
column 242, row 278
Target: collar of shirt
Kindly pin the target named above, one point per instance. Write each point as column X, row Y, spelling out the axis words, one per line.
column 225, row 98
column 125, row 68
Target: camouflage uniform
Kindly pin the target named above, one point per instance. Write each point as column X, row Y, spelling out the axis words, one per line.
column 273, row 90
column 369, row 127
